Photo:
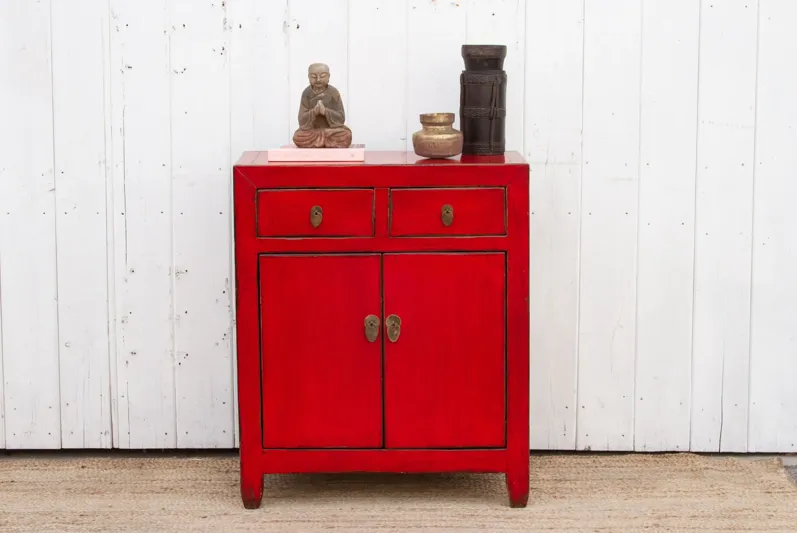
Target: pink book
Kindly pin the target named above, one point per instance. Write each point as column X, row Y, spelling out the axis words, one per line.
column 355, row 152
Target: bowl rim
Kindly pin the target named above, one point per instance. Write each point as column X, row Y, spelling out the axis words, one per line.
column 437, row 118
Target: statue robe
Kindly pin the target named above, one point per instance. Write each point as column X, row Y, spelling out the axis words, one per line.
column 322, row 131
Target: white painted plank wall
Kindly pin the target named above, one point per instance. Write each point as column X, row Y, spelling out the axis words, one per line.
column 724, row 225
column 144, row 277
column 79, row 37
column 552, row 146
column 258, row 56
column 501, row 21
column 259, row 89
column 663, row 238
column 665, row 255
column 201, row 160
column 436, row 33
column 28, row 231
column 317, row 33
column 609, row 200
column 773, row 343
column 377, row 60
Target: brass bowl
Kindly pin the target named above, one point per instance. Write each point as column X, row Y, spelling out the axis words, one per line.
column 437, row 139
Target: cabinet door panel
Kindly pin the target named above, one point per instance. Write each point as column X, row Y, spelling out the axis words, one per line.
column 322, row 377
column 445, row 374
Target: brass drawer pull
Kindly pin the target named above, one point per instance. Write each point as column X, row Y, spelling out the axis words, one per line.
column 447, row 215
column 371, row 328
column 393, row 324
column 316, row 215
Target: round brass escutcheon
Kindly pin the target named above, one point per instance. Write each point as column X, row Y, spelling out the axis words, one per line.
column 316, row 215
column 447, row 215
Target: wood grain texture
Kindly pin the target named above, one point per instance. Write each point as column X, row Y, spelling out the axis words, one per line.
column 287, row 213
column 143, row 225
column 665, row 256
column 322, row 378
column 773, row 367
column 200, row 180
column 552, row 122
column 445, row 373
column 476, row 211
column 724, row 226
column 377, row 52
column 27, row 231
column 607, row 300
column 79, row 146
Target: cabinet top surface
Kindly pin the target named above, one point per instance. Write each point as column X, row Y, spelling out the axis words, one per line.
column 388, row 158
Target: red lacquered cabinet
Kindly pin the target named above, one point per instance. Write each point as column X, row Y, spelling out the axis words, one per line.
column 382, row 317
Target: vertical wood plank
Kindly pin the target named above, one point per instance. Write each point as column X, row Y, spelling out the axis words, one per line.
column 142, row 203
column 668, row 137
column 723, row 225
column 27, row 232
column 552, row 115
column 436, row 33
column 258, row 71
column 78, row 33
column 773, row 365
column 377, row 44
column 317, row 33
column 503, row 22
column 607, row 325
column 259, row 98
column 200, row 144
column 112, row 151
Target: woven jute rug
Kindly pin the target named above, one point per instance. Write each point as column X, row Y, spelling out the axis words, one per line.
column 569, row 493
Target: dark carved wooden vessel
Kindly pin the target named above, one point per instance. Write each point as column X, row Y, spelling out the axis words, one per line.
column 482, row 104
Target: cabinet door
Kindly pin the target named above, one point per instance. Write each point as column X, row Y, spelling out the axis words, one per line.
column 321, row 375
column 445, row 372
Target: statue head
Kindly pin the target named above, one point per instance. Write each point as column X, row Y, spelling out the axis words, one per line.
column 318, row 74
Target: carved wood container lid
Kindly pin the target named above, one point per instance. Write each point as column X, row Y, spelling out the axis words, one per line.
column 484, row 56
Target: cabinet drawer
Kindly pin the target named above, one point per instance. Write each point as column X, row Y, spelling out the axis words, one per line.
column 315, row 213
column 448, row 212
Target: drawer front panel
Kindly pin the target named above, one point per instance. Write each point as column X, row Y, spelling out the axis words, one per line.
column 315, row 213
column 448, row 212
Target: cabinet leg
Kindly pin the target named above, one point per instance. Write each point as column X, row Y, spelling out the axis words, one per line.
column 517, row 485
column 251, row 489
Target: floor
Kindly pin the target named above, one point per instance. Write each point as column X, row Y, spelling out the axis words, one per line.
column 137, row 492
column 789, row 461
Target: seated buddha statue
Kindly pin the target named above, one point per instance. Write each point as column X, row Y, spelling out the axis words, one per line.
column 321, row 114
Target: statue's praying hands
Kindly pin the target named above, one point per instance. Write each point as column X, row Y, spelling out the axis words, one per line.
column 321, row 113
column 320, row 109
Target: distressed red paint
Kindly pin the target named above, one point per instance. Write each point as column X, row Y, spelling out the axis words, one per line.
column 446, row 392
